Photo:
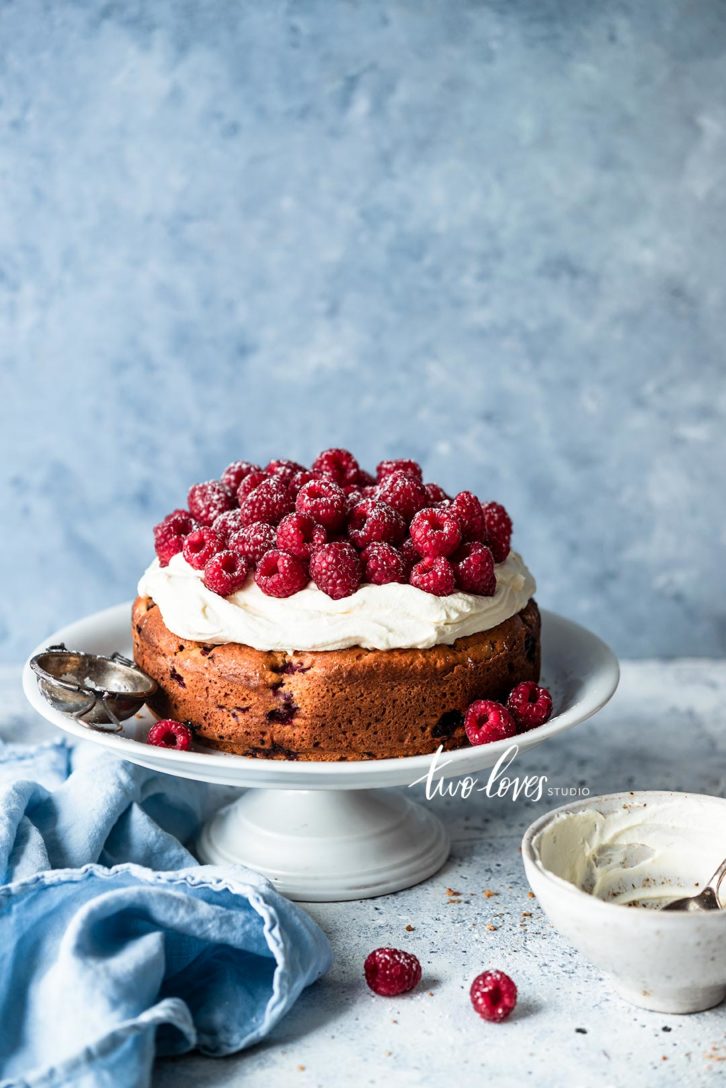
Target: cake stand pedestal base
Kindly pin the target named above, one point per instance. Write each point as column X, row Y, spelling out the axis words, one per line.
column 324, row 846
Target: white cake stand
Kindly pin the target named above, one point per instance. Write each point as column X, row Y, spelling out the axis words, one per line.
column 325, row 832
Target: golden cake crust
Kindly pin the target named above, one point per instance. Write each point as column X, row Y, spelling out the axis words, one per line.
column 336, row 704
column 333, row 704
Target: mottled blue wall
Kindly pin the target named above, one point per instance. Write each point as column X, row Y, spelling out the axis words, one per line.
column 488, row 235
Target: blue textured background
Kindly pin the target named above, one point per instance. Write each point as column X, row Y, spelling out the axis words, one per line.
column 488, row 235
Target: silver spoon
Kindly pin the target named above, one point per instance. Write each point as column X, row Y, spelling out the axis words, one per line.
column 708, row 899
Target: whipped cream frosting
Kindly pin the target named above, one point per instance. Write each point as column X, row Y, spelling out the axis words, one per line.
column 639, row 854
column 385, row 617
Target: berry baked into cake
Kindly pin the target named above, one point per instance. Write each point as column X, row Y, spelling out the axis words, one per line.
column 328, row 614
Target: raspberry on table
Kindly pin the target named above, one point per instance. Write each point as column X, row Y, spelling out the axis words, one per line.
column 300, row 535
column 228, row 523
column 253, row 540
column 169, row 733
column 324, row 501
column 391, row 971
column 338, row 465
column 280, row 574
column 169, row 534
column 474, row 569
column 469, row 512
column 226, row 572
column 435, row 494
column 253, row 479
column 434, row 576
column 402, row 464
column 235, row 473
column 493, row 995
column 336, row 569
column 200, row 546
column 403, row 492
column 371, row 521
column 530, row 704
column 486, row 721
column 206, row 501
column 497, row 530
column 382, row 563
column 269, row 501
column 435, row 531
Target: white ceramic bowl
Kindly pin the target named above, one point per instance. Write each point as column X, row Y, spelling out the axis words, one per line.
column 668, row 962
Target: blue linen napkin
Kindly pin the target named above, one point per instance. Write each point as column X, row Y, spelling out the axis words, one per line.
column 115, row 946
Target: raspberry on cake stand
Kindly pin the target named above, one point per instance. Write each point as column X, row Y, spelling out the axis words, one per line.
column 334, row 831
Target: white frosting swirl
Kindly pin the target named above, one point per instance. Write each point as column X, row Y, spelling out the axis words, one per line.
column 386, row 617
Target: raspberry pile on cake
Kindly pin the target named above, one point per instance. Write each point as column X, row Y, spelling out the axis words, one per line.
column 326, row 613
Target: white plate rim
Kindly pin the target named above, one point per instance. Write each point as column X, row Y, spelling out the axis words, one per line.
column 599, row 687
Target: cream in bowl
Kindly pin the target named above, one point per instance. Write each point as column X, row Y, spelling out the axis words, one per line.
column 603, row 867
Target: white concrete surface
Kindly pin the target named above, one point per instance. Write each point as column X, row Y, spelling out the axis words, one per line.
column 665, row 729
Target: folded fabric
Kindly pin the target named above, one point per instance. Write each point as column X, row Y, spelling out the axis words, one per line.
column 115, row 946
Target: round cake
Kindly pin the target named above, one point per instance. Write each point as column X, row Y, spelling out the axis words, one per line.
column 325, row 614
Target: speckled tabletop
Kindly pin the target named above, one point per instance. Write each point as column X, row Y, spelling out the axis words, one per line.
column 663, row 730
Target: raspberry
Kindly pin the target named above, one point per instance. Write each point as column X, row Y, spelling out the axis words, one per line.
column 493, row 995
column 486, row 721
column 371, row 522
column 435, row 531
column 324, row 501
column 298, row 480
column 200, row 546
column 353, row 495
column 530, row 704
column 470, row 515
column 391, row 971
column 382, row 564
column 280, row 574
column 409, row 555
column 409, row 468
column 365, row 479
column 474, row 569
column 284, row 469
column 169, row 534
column 206, row 501
column 435, row 494
column 404, row 493
column 235, row 473
column 299, row 535
column 252, row 480
column 227, row 524
column 226, row 572
column 167, row 547
column 268, row 502
column 179, row 521
column 434, row 576
column 337, row 465
column 253, row 541
column 497, row 530
column 168, row 733
column 336, row 570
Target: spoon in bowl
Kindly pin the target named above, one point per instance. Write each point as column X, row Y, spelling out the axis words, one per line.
column 708, row 899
